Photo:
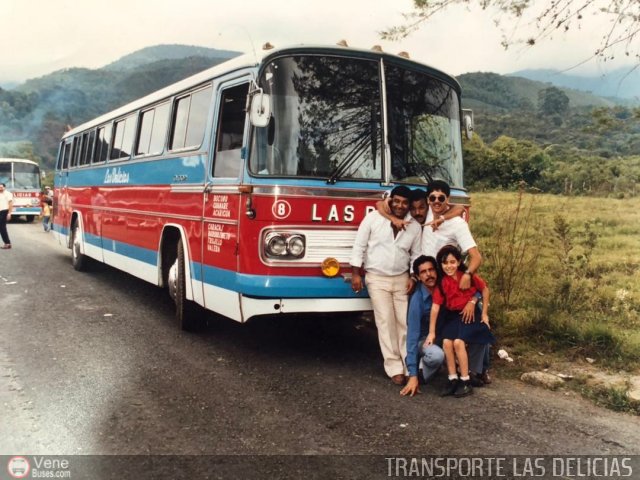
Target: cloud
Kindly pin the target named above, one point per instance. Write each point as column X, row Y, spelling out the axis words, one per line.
column 70, row 33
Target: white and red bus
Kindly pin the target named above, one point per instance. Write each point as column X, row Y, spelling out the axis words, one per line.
column 241, row 188
column 22, row 178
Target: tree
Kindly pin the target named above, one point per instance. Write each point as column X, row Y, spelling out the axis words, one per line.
column 621, row 27
column 553, row 101
column 504, row 164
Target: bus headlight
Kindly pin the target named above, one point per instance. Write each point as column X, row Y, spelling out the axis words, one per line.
column 275, row 245
column 295, row 246
column 284, row 245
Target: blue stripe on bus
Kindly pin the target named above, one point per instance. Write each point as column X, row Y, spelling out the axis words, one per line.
column 275, row 286
column 265, row 286
column 340, row 184
column 152, row 172
column 144, row 255
column 319, row 183
column 22, row 210
column 93, row 240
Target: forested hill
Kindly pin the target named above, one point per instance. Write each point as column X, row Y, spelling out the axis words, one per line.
column 491, row 92
column 549, row 138
column 155, row 53
column 34, row 115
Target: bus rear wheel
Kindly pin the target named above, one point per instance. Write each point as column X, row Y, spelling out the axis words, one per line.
column 29, row 218
column 186, row 314
column 78, row 260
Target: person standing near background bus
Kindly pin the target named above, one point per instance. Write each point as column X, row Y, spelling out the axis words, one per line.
column 386, row 252
column 46, row 214
column 6, row 207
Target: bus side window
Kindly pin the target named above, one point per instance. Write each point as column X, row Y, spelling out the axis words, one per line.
column 152, row 130
column 190, row 115
column 102, row 143
column 66, row 154
column 60, row 155
column 228, row 160
column 89, row 148
column 122, row 140
column 76, row 151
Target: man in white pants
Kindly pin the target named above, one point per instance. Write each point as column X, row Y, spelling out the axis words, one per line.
column 385, row 253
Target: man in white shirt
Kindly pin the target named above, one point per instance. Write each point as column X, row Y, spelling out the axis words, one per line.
column 385, row 252
column 6, row 207
column 453, row 231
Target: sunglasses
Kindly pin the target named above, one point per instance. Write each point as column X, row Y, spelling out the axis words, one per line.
column 437, row 198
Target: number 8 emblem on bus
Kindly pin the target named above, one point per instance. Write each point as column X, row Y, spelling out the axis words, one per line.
column 281, row 209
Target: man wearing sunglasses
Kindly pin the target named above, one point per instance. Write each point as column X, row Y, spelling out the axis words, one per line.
column 455, row 231
column 452, row 231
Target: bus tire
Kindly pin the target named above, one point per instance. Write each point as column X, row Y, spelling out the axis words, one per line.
column 78, row 260
column 186, row 314
column 29, row 218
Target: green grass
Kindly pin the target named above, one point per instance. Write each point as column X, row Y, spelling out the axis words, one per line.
column 564, row 273
column 611, row 398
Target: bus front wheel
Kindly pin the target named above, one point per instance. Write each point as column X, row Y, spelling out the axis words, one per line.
column 185, row 310
column 78, row 260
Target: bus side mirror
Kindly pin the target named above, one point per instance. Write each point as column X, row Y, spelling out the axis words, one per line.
column 467, row 119
column 260, row 110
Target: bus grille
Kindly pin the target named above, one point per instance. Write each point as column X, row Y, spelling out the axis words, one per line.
column 328, row 243
column 320, row 244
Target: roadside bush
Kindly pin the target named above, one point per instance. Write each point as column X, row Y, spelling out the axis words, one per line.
column 559, row 275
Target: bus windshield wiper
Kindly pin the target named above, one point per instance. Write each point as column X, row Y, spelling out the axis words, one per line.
column 348, row 161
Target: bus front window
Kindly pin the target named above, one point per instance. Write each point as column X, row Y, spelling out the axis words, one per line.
column 5, row 174
column 26, row 176
column 424, row 128
column 326, row 119
column 327, row 122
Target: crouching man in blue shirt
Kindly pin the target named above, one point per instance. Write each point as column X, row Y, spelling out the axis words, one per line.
column 430, row 358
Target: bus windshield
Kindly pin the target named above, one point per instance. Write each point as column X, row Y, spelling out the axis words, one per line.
column 18, row 175
column 26, row 175
column 327, row 122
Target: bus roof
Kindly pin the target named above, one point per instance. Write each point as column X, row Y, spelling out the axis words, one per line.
column 248, row 61
column 17, row 160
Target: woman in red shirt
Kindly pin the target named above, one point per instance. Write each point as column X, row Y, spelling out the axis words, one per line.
column 452, row 326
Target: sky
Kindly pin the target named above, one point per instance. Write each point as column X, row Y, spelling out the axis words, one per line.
column 39, row 36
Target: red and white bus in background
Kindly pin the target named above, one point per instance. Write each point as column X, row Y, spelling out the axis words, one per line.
column 22, row 178
column 241, row 188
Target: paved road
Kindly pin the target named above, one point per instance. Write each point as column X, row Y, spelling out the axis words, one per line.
column 92, row 363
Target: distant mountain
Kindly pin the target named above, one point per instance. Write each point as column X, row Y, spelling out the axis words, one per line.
column 621, row 83
column 168, row 52
column 497, row 93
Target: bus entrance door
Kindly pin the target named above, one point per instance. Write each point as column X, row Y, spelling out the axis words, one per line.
column 222, row 202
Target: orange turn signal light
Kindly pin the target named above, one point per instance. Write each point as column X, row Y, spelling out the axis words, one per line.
column 330, row 267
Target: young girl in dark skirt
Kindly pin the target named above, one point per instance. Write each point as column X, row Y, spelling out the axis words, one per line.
column 451, row 326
